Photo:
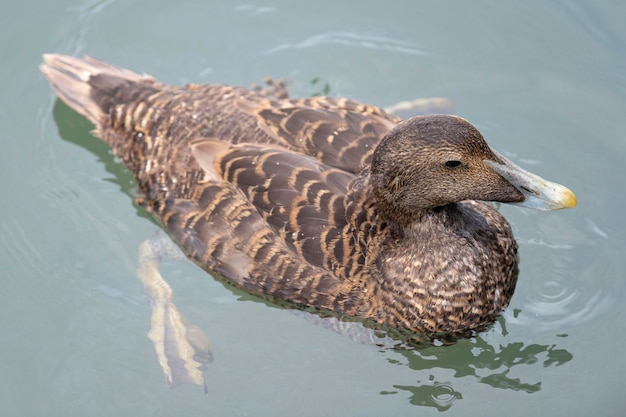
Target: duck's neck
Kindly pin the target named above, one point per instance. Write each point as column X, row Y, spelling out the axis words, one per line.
column 363, row 205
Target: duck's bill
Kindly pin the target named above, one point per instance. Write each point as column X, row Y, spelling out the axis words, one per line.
column 538, row 193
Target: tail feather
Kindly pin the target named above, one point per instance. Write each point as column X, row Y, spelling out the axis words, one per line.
column 70, row 79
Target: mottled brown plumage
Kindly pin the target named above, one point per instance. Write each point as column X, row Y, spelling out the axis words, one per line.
column 321, row 202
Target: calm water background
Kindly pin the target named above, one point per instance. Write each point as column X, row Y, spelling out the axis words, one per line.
column 544, row 81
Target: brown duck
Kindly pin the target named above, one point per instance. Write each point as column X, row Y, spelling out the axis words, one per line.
column 322, row 203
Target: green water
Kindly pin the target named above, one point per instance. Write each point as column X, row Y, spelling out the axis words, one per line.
column 544, row 81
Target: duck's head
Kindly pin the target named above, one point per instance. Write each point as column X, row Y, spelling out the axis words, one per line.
column 430, row 161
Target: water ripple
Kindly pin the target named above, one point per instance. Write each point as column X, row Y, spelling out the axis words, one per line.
column 541, row 242
column 84, row 12
column 255, row 10
column 568, row 274
column 563, row 289
column 558, row 305
column 18, row 245
column 353, row 40
column 439, row 395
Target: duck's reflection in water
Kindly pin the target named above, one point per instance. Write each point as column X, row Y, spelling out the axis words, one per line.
column 486, row 362
column 483, row 357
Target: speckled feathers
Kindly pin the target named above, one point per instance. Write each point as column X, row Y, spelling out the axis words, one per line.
column 276, row 195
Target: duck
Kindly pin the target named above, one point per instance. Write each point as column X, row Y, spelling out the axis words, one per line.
column 325, row 204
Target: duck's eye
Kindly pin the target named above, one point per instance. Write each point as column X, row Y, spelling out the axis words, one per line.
column 453, row 164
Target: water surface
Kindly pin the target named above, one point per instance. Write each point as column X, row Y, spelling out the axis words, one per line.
column 544, row 81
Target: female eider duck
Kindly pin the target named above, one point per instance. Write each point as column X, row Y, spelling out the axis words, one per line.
column 323, row 203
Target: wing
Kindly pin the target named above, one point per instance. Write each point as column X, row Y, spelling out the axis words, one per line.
column 299, row 198
column 340, row 133
column 269, row 232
